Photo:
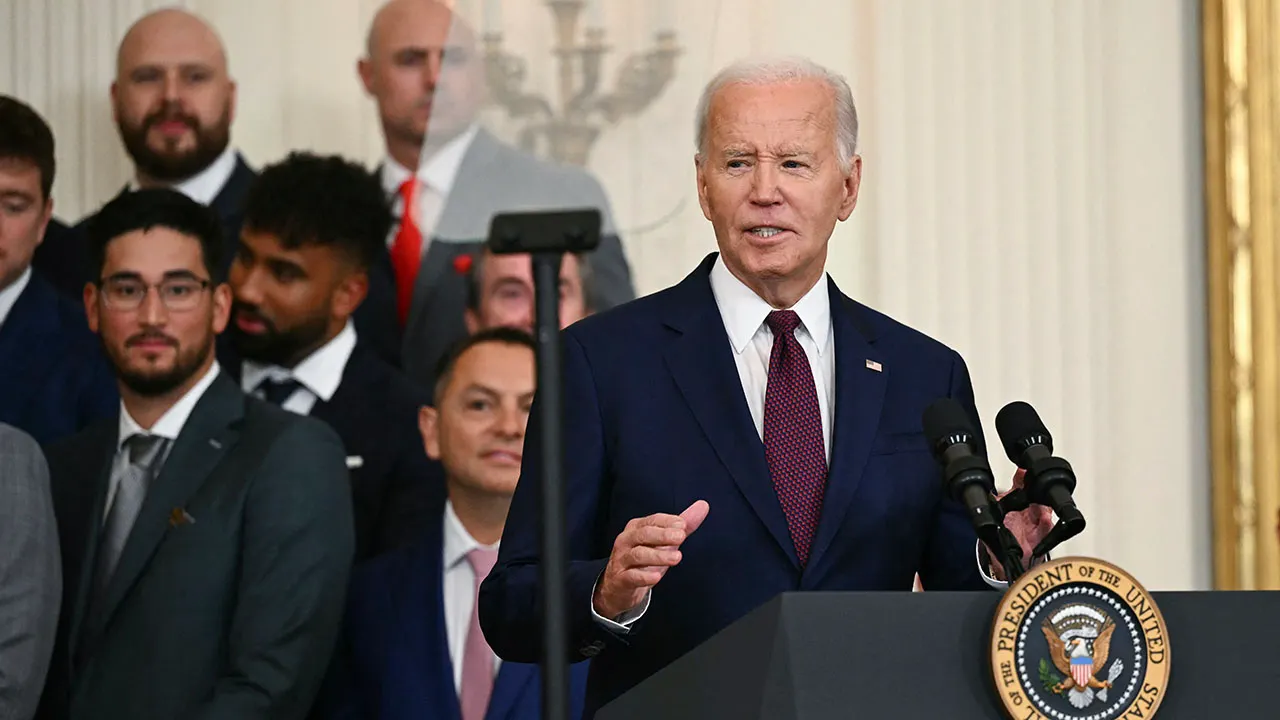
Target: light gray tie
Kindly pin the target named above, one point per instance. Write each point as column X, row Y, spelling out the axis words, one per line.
column 131, row 489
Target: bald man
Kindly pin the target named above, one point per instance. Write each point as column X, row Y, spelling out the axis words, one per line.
column 173, row 101
column 424, row 70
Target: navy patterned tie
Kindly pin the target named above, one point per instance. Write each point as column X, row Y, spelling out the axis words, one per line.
column 793, row 440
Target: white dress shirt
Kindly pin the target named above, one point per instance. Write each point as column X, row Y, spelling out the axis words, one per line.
column 9, row 295
column 437, row 175
column 205, row 185
column 169, row 426
column 459, row 590
column 751, row 340
column 319, row 373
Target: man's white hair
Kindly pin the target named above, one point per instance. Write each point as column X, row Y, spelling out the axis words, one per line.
column 772, row 71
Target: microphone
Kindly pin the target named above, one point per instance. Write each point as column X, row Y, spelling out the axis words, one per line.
column 967, row 477
column 966, row 473
column 1050, row 480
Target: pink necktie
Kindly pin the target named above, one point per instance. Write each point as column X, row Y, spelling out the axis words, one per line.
column 477, row 658
column 793, row 442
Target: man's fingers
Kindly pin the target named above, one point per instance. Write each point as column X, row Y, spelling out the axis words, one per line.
column 641, row 577
column 663, row 520
column 641, row 556
column 655, row 536
column 694, row 515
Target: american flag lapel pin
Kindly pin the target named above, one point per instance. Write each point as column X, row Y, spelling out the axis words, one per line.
column 873, row 365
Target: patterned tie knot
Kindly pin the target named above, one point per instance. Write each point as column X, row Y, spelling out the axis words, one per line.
column 143, row 449
column 783, row 322
column 482, row 561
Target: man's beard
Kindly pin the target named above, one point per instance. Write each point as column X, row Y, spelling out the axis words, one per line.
column 154, row 384
column 168, row 166
column 275, row 347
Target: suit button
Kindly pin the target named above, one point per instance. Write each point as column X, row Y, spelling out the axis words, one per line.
column 593, row 649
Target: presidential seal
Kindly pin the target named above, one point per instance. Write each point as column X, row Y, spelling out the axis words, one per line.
column 1079, row 639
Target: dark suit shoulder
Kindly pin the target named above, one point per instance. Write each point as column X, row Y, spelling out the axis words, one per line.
column 896, row 336
column 265, row 420
column 383, row 384
column 391, row 569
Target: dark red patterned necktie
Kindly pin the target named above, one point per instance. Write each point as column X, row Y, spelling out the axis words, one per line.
column 793, row 442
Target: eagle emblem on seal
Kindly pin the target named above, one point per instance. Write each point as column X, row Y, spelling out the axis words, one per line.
column 1079, row 638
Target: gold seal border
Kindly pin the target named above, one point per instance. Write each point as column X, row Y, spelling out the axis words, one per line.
column 1002, row 647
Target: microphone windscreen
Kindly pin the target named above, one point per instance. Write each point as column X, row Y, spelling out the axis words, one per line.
column 1019, row 426
column 946, row 418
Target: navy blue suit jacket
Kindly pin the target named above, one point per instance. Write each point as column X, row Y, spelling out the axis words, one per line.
column 56, row 379
column 656, row 418
column 393, row 657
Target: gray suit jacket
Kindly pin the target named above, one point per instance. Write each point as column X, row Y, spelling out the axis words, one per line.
column 496, row 178
column 30, row 574
column 227, row 597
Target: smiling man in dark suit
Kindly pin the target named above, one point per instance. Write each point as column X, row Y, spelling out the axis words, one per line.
column 206, row 536
column 312, row 227
column 411, row 646
column 173, row 101
column 750, row 431
column 54, row 379
column 425, row 71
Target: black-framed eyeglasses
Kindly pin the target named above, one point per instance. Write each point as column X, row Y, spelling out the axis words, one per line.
column 177, row 294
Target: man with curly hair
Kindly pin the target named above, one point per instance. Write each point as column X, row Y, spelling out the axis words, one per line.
column 312, row 227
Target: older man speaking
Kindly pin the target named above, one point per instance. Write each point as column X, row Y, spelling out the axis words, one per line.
column 753, row 403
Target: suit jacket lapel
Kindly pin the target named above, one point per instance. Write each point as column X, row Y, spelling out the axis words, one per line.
column 420, row 612
column 101, row 444
column 859, row 397
column 207, row 436
column 510, row 687
column 701, row 362
column 229, row 202
column 464, row 219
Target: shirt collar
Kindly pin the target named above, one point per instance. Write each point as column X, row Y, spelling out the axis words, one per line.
column 438, row 171
column 170, row 424
column 320, row 372
column 9, row 295
column 205, row 185
column 744, row 312
column 457, row 541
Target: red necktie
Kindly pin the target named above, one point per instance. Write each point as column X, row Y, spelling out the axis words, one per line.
column 406, row 249
column 793, row 441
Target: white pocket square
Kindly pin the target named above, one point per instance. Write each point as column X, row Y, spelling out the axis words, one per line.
column 354, row 461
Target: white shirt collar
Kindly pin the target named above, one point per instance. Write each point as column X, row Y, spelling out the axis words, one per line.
column 320, row 372
column 172, row 421
column 457, row 541
column 9, row 295
column 438, row 171
column 205, row 185
column 744, row 312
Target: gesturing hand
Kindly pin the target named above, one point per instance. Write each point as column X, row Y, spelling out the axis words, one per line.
column 1029, row 526
column 642, row 554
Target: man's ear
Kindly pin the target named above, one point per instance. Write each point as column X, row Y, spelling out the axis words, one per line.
column 352, row 291
column 364, row 68
column 429, row 427
column 91, row 305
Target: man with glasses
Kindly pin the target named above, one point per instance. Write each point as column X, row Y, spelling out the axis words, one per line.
column 206, row 536
column 55, row 380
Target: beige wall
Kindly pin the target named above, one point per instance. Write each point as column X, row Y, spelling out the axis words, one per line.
column 1030, row 196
